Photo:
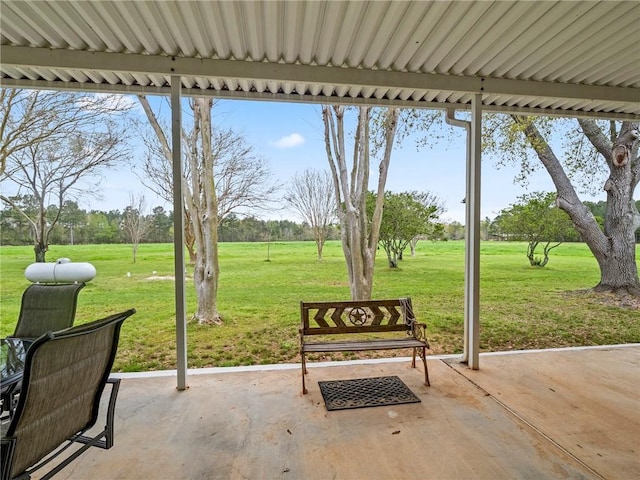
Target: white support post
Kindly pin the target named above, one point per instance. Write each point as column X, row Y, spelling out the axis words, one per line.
column 178, row 233
column 450, row 118
column 472, row 244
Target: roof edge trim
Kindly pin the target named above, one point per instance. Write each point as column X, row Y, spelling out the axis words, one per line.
column 314, row 99
column 36, row 57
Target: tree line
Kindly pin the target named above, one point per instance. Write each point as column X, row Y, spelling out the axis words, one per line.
column 77, row 226
column 532, row 219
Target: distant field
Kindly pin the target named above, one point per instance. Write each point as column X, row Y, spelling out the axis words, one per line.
column 522, row 307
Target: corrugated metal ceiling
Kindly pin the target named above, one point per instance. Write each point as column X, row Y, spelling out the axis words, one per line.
column 537, row 56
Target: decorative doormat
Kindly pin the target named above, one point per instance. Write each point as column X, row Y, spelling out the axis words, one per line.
column 365, row 392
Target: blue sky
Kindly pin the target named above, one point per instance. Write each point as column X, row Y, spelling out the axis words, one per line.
column 290, row 137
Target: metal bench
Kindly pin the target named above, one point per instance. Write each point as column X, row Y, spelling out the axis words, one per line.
column 358, row 322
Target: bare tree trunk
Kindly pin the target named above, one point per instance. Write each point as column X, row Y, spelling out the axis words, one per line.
column 616, row 256
column 165, row 149
column 204, row 208
column 40, row 252
column 359, row 238
column 547, row 248
column 531, row 250
column 135, row 224
column 201, row 205
column 189, row 238
column 41, row 234
column 614, row 249
column 319, row 236
column 311, row 195
column 412, row 245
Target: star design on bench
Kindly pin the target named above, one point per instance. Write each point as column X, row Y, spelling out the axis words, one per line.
column 358, row 316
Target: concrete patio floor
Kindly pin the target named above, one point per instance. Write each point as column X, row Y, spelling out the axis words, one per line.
column 571, row 413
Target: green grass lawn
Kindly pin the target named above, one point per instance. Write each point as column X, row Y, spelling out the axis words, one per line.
column 521, row 307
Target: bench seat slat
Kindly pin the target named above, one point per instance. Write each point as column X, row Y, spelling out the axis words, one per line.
column 354, row 329
column 355, row 346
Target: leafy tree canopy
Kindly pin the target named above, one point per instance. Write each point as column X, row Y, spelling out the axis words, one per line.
column 535, row 219
column 405, row 216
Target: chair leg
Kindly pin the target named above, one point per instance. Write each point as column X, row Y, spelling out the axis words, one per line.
column 105, row 438
column 111, row 410
column 8, row 450
column 304, row 372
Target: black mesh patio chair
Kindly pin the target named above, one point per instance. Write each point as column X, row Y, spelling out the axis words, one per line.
column 47, row 307
column 65, row 375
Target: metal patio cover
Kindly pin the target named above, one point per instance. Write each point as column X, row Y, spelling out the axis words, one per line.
column 559, row 57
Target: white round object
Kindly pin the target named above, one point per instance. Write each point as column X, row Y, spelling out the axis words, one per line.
column 60, row 272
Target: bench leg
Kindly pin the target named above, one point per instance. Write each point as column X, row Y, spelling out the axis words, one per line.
column 426, row 370
column 304, row 372
column 413, row 360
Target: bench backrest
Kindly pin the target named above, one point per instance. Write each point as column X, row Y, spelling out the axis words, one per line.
column 365, row 316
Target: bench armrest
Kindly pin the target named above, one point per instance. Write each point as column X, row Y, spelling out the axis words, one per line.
column 417, row 330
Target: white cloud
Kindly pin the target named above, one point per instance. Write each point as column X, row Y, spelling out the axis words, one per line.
column 289, row 141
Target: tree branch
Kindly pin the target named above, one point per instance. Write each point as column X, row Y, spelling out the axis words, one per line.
column 567, row 199
column 597, row 138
